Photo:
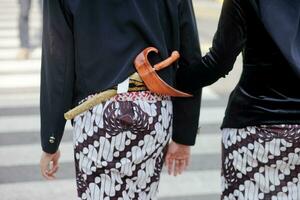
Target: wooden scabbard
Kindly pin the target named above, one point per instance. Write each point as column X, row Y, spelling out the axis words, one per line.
column 151, row 79
column 145, row 75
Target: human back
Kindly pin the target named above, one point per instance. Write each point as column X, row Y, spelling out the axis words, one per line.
column 123, row 29
column 89, row 49
column 268, row 80
column 261, row 127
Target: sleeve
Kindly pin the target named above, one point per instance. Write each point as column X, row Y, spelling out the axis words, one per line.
column 57, row 73
column 228, row 42
column 186, row 110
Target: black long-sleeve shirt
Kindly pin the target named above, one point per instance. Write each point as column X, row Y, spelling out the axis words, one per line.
column 89, row 46
column 268, row 90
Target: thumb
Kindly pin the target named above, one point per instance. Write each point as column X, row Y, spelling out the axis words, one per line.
column 55, row 158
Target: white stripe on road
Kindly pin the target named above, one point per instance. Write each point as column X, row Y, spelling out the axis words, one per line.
column 12, row 42
column 188, row 184
column 10, row 124
column 19, row 81
column 15, row 66
column 209, row 94
column 204, row 182
column 211, row 115
column 14, row 18
column 14, row 33
column 8, row 101
column 12, row 53
column 30, row 153
column 208, row 143
column 28, row 123
column 9, row 43
column 14, row 11
column 39, row 190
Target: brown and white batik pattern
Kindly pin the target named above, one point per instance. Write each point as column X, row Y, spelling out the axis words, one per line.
column 261, row 163
column 119, row 147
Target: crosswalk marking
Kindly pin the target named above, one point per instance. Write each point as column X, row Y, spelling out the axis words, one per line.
column 13, row 33
column 11, row 124
column 191, row 183
column 12, row 42
column 28, row 155
column 19, row 81
column 12, row 10
column 19, row 100
column 14, row 24
column 206, row 144
column 14, row 66
column 209, row 115
column 11, row 53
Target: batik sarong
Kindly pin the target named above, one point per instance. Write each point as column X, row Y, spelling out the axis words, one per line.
column 261, row 162
column 119, row 147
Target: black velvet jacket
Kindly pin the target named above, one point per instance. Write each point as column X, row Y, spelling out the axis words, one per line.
column 89, row 46
column 268, row 90
column 282, row 21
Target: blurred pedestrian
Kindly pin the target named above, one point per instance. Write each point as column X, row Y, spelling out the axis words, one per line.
column 25, row 7
column 119, row 144
column 261, row 128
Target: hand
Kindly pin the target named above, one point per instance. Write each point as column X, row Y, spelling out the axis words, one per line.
column 49, row 164
column 177, row 158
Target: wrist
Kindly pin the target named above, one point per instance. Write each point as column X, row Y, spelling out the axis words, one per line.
column 181, row 145
column 49, row 154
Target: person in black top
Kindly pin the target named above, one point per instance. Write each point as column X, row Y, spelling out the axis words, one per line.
column 119, row 145
column 261, row 127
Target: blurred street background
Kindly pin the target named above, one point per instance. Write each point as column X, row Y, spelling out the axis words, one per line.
column 19, row 119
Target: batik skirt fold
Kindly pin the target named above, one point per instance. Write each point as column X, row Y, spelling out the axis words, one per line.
column 119, row 147
column 261, row 162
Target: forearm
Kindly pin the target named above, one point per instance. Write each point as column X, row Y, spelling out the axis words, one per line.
column 186, row 113
column 228, row 42
column 57, row 74
column 186, row 110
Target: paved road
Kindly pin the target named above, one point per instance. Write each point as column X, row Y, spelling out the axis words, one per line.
column 19, row 122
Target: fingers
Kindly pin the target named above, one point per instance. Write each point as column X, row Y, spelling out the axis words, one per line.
column 170, row 166
column 169, row 162
column 180, row 166
column 46, row 172
column 53, row 170
column 188, row 161
column 49, row 166
column 55, row 166
column 176, row 166
column 177, row 158
column 167, row 159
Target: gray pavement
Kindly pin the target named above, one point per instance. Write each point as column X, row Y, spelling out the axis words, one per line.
column 19, row 122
